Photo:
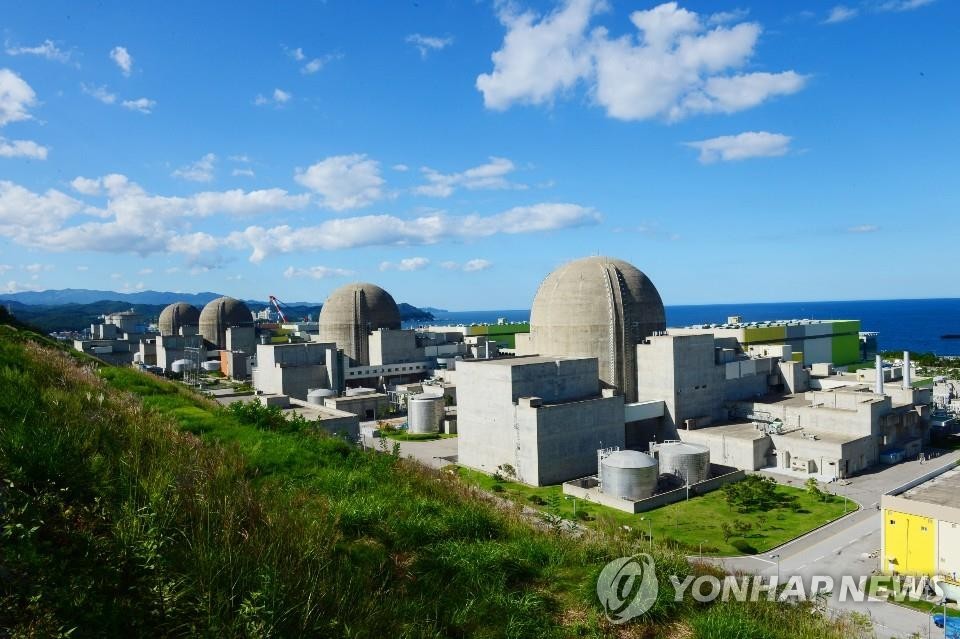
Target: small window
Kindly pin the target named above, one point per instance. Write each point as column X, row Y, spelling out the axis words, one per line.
column 893, row 521
column 923, row 529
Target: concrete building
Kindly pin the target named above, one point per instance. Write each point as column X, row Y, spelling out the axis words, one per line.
column 116, row 340
column 366, row 406
column 351, row 313
column 294, row 369
column 811, row 341
column 221, row 314
column 596, row 307
column 758, row 411
column 544, row 416
column 179, row 318
column 921, row 528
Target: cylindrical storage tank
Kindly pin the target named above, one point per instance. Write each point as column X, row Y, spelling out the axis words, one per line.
column 211, row 365
column 317, row 395
column 628, row 474
column 182, row 365
column 689, row 462
column 424, row 414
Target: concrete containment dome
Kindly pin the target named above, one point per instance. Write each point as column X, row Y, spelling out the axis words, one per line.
column 176, row 316
column 221, row 314
column 629, row 474
column 352, row 312
column 597, row 307
column 689, row 462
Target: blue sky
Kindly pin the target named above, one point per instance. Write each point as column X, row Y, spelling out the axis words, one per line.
column 455, row 152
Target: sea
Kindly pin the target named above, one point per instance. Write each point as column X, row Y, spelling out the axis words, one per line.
column 914, row 325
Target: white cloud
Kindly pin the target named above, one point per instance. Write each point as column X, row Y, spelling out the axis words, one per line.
column 316, row 272
column 22, row 149
column 23, row 212
column 37, row 268
column 491, row 175
column 468, row 266
column 83, row 268
column 4, row 268
column 864, row 228
column 243, row 158
column 841, row 13
column 751, row 144
column 406, row 264
column 145, row 271
column 675, row 66
column 344, row 181
column 903, row 5
column 86, row 186
column 278, row 98
column 18, row 287
column 538, row 59
column 723, row 17
column 400, row 168
column 46, row 49
column 143, row 105
column 99, row 93
column 477, row 265
column 243, row 173
column 297, row 54
column 388, row 230
column 123, row 59
column 426, row 44
column 199, row 171
column 16, row 97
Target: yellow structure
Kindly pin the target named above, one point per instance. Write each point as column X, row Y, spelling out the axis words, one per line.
column 921, row 528
column 910, row 543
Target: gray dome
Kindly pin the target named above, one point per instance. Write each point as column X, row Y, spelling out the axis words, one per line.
column 176, row 316
column 351, row 313
column 598, row 307
column 629, row 459
column 219, row 315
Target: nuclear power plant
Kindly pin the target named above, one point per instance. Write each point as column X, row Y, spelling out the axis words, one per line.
column 596, row 369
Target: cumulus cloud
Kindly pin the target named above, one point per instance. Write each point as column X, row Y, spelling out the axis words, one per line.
column 344, row 181
column 426, row 44
column 22, row 149
column 389, row 230
column 751, row 144
column 676, row 65
column 316, row 272
column 100, row 93
column 16, row 98
column 406, row 264
column 243, row 173
column 863, row 228
column 199, row 171
column 903, row 5
column 122, row 58
column 491, row 175
column 468, row 266
column 312, row 65
column 46, row 49
column 143, row 105
column 278, row 98
column 400, row 168
column 841, row 13
column 86, row 186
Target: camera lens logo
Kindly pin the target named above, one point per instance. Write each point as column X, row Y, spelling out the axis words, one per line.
column 627, row 587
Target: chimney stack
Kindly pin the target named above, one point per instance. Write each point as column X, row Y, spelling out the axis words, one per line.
column 906, row 371
column 878, row 387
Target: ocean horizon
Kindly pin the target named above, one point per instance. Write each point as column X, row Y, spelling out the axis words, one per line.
column 917, row 325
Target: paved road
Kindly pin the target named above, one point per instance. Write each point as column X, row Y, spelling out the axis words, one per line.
column 850, row 546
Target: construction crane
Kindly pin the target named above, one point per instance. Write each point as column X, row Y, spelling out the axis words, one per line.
column 276, row 304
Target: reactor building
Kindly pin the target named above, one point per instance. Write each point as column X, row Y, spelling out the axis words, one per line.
column 352, row 313
column 596, row 307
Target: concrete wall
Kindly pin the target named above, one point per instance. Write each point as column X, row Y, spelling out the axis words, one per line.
column 393, row 347
column 241, row 338
column 366, row 407
column 738, row 452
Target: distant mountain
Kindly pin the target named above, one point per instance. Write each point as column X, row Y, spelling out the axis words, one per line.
column 412, row 313
column 432, row 310
column 88, row 296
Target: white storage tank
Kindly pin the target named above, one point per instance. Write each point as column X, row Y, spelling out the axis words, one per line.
column 211, row 365
column 628, row 474
column 689, row 462
column 316, row 396
column 424, row 413
column 183, row 365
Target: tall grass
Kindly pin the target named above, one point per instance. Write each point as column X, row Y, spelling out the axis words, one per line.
column 131, row 507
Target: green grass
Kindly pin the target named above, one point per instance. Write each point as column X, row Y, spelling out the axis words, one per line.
column 133, row 507
column 904, row 600
column 403, row 436
column 686, row 524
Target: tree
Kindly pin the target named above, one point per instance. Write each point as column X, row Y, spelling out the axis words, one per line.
column 814, row 489
column 752, row 493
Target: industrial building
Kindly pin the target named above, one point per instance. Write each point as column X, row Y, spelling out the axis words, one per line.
column 116, row 339
column 351, row 313
column 810, row 341
column 920, row 534
column 543, row 416
column 596, row 307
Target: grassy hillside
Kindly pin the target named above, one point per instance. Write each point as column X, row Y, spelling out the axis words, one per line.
column 130, row 507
